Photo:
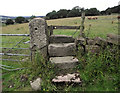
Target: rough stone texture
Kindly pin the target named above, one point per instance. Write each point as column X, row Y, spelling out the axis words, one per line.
column 38, row 35
column 63, row 49
column 91, row 42
column 61, row 39
column 100, row 41
column 92, row 48
column 80, row 41
column 69, row 78
column 64, row 62
column 36, row 85
column 112, row 38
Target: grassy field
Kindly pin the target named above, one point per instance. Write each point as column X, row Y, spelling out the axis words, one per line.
column 100, row 27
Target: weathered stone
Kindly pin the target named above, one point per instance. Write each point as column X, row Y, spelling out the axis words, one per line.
column 92, row 48
column 100, row 41
column 36, row 85
column 69, row 78
column 64, row 62
column 112, row 38
column 80, row 41
column 61, row 39
column 90, row 42
column 39, row 36
column 63, row 49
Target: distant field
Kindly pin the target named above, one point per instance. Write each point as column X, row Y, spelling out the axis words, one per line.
column 99, row 27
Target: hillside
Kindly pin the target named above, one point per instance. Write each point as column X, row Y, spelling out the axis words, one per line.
column 99, row 27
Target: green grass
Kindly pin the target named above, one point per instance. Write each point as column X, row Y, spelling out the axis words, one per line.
column 106, row 79
column 99, row 27
column 100, row 72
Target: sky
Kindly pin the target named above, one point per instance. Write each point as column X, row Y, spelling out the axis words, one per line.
column 42, row 7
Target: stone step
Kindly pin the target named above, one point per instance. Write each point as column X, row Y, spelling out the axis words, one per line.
column 67, row 62
column 63, row 49
column 68, row 78
column 61, row 39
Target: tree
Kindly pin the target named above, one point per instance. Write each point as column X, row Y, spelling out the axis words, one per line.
column 62, row 13
column 20, row 19
column 32, row 17
column 103, row 13
column 26, row 20
column 92, row 12
column 9, row 22
column 75, row 12
column 52, row 15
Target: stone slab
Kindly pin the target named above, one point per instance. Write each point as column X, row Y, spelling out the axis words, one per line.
column 64, row 62
column 113, row 38
column 64, row 49
column 80, row 41
column 69, row 78
column 61, row 39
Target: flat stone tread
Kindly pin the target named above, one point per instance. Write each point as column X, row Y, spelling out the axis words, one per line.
column 75, row 78
column 61, row 39
column 61, row 44
column 67, row 59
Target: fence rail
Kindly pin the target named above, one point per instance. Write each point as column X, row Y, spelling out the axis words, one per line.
column 14, row 34
column 10, row 54
column 64, row 27
column 12, row 60
column 14, row 48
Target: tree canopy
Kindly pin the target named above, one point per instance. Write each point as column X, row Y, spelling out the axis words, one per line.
column 20, row 19
column 76, row 11
column 9, row 22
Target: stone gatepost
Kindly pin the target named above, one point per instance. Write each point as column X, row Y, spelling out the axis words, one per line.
column 38, row 37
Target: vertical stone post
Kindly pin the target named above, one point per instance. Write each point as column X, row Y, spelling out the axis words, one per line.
column 38, row 37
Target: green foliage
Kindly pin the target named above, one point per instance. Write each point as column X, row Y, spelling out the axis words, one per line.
column 62, row 13
column 20, row 19
column 52, row 15
column 21, row 79
column 75, row 12
column 92, row 12
column 108, row 11
column 9, row 22
column 32, row 17
column 100, row 72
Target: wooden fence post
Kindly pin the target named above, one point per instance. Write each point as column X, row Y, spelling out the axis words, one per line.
column 82, row 25
column 51, row 30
